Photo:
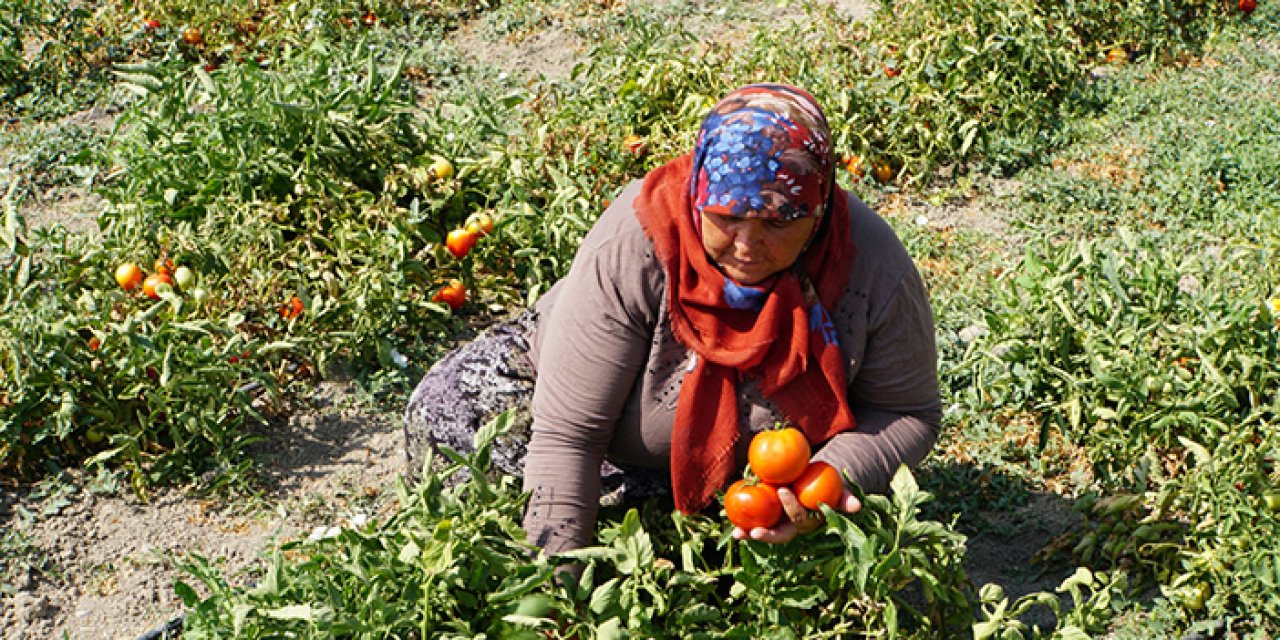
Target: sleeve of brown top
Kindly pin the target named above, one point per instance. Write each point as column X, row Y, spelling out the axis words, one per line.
column 592, row 345
column 894, row 390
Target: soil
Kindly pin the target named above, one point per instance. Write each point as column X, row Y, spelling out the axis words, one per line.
column 100, row 563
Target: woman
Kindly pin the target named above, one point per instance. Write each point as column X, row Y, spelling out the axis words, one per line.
column 729, row 290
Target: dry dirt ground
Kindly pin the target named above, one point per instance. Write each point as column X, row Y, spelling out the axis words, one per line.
column 102, row 564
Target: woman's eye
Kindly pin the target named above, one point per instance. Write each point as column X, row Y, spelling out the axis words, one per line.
column 779, row 223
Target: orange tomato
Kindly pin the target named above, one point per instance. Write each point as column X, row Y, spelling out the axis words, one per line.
column 95, row 343
column 453, row 294
column 292, row 308
column 193, row 37
column 779, row 456
column 883, row 172
column 151, row 286
column 891, row 70
column 164, row 265
column 854, row 165
column 129, row 276
column 460, row 241
column 481, row 224
column 819, row 484
column 635, row 145
column 752, row 505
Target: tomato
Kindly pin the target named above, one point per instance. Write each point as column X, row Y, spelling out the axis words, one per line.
column 481, row 224
column 819, row 484
column 853, row 164
column 460, row 242
column 164, row 265
column 1272, row 498
column 292, row 308
column 1117, row 55
column 1247, row 6
column 95, row 435
column 441, row 169
column 635, row 145
column 370, row 19
column 779, row 456
column 129, row 276
column 155, row 284
column 883, row 172
column 752, row 505
column 453, row 294
column 151, row 25
column 891, row 70
column 193, row 37
column 95, row 343
column 184, row 277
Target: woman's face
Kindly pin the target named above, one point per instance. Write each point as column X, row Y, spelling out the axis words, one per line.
column 749, row 250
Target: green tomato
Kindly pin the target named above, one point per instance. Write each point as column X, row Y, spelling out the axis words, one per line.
column 185, row 278
column 95, row 436
column 199, row 295
column 1272, row 498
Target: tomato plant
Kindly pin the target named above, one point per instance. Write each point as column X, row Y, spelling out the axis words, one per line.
column 779, row 456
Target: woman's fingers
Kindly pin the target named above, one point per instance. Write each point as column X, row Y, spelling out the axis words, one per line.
column 799, row 520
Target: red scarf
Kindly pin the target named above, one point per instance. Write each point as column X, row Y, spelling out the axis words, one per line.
column 797, row 368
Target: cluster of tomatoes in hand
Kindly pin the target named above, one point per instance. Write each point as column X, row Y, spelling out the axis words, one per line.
column 166, row 276
column 779, row 459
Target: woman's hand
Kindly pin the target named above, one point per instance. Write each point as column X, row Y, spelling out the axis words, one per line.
column 799, row 520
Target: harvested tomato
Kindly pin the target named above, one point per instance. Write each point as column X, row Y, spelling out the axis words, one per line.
column 1247, row 6
column 128, row 276
column 481, row 224
column 819, row 484
column 779, row 456
column 291, row 308
column 453, row 294
column 460, row 242
column 154, row 284
column 752, row 505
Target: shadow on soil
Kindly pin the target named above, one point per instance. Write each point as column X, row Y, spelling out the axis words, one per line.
column 1013, row 529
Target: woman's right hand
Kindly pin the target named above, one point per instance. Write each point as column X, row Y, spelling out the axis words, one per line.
column 798, row 521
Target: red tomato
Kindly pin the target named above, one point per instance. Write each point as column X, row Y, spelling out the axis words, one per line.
column 370, row 19
column 151, row 285
column 779, row 456
column 460, row 242
column 151, row 25
column 819, row 484
column 453, row 294
column 1247, row 6
column 129, row 276
column 752, row 505
column 891, row 70
column 292, row 308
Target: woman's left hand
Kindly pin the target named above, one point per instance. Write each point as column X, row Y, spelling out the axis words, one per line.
column 799, row 520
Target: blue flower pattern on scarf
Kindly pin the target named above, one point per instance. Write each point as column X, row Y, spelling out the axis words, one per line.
column 753, row 160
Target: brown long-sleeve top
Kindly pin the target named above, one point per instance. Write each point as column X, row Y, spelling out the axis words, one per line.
column 609, row 371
